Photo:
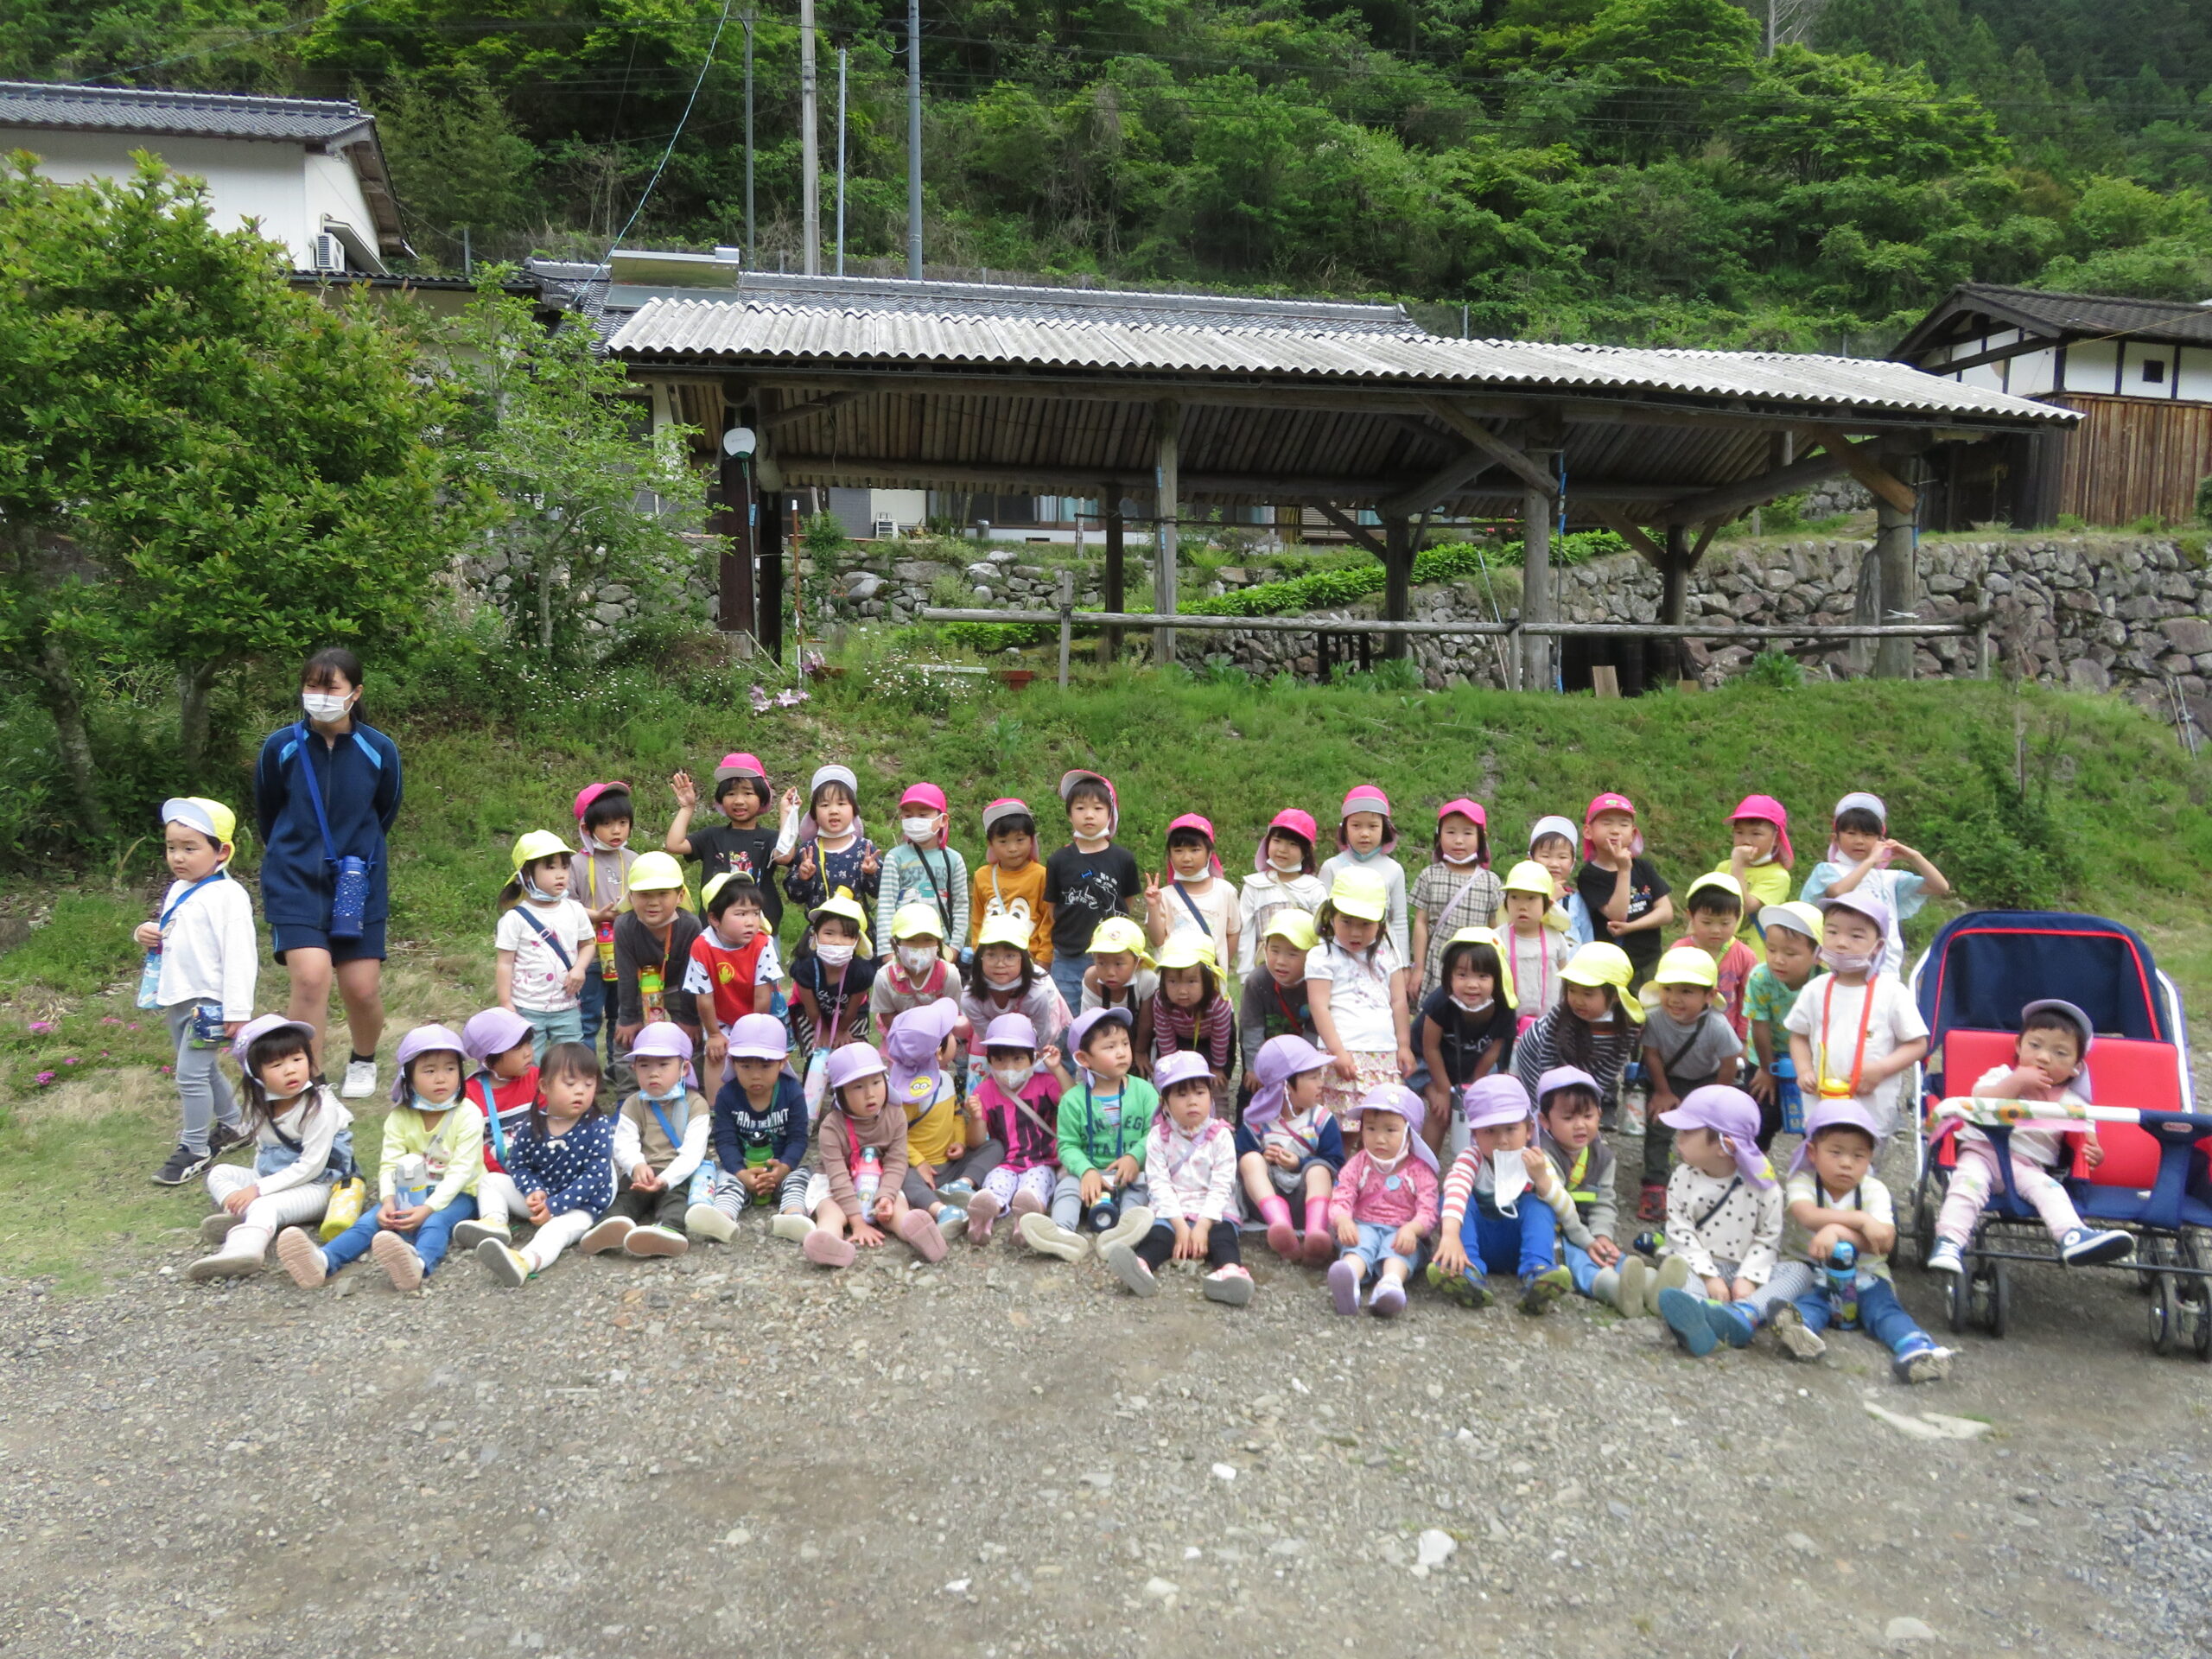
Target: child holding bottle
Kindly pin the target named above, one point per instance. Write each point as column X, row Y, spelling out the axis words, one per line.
column 499, row 1043
column 1856, row 1030
column 1018, row 1102
column 561, row 1159
column 303, row 1144
column 758, row 1133
column 1103, row 1121
column 660, row 1140
column 862, row 1145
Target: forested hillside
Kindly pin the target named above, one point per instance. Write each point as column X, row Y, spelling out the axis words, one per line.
column 1637, row 169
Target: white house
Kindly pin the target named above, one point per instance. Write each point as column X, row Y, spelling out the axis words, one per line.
column 308, row 170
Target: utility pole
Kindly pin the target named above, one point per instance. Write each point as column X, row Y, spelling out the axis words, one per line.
column 914, row 139
column 1771, row 6
column 810, row 171
column 750, row 251
column 841, row 160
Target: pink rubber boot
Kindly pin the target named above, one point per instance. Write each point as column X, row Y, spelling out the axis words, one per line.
column 1320, row 1242
column 1282, row 1238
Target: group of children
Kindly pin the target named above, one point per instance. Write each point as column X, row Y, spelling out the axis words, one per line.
column 1137, row 1066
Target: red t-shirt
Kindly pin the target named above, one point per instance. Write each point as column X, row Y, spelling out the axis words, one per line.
column 731, row 974
column 511, row 1103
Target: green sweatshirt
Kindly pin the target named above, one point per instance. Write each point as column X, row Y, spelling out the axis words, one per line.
column 1087, row 1141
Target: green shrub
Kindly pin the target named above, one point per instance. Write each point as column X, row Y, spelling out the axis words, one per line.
column 2204, row 500
column 1775, row 668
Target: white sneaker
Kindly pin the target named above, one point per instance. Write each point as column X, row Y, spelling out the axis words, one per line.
column 224, row 1264
column 360, row 1080
column 1945, row 1258
column 794, row 1224
column 1041, row 1233
column 1132, row 1225
column 704, row 1221
column 469, row 1234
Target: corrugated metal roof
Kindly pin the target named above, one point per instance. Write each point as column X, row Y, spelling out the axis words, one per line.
column 857, row 331
column 214, row 115
column 2060, row 315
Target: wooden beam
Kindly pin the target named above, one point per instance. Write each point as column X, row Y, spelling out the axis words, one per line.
column 1630, row 532
column 1357, row 531
column 2017, row 348
column 1859, row 461
column 774, row 418
column 1490, row 444
column 1704, row 540
column 1449, row 479
column 1731, row 499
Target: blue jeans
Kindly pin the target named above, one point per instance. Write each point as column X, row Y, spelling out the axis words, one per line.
column 1579, row 1267
column 429, row 1240
column 1881, row 1316
column 1374, row 1248
column 1067, row 975
column 1516, row 1244
column 559, row 1026
column 595, row 1007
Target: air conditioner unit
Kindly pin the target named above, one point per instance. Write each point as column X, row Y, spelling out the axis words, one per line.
column 327, row 252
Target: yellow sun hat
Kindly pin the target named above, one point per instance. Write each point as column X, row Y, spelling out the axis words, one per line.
column 917, row 922
column 535, row 844
column 655, row 872
column 1293, row 926
column 1005, row 930
column 1117, row 934
column 1529, row 876
column 1187, row 949
column 1598, row 963
column 1360, row 893
column 1492, row 938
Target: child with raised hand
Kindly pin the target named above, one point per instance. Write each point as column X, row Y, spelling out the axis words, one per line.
column 303, row 1143
column 741, row 844
column 1192, row 896
column 1283, row 879
column 1627, row 900
column 1019, row 1103
column 546, row 941
column 1759, row 857
column 1552, row 843
column 660, row 1140
column 1724, row 1216
column 1012, row 880
column 2050, row 1063
column 1104, row 1120
column 1486, row 1228
column 1366, row 838
column 1288, row 1149
column 1356, row 988
column 1003, row 977
column 1715, row 903
column 1087, row 881
column 861, row 1146
column 1274, row 1003
column 201, row 947
column 758, row 1133
column 1191, row 1155
column 430, row 1121
column 923, row 869
column 1596, row 1026
column 1791, row 933
column 832, row 853
column 1534, row 951
column 1856, row 1030
column 1383, row 1205
column 916, row 973
column 1189, row 1015
column 832, row 974
column 499, row 1044
column 653, row 953
column 1455, row 890
column 946, row 1150
column 562, row 1160
column 599, row 877
column 1464, row 1030
column 1568, row 1114
column 1862, row 859
column 1688, row 1043
column 1122, row 975
column 733, row 971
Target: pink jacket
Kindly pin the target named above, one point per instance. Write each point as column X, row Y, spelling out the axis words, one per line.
column 1363, row 1194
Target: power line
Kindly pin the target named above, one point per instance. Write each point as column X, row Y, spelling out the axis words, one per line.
column 705, row 63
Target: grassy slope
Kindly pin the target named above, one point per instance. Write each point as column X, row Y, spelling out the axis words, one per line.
column 73, row 1153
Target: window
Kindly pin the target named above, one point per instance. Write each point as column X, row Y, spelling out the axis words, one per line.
column 2154, row 371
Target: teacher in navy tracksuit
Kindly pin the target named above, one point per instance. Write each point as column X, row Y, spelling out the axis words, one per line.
column 324, row 873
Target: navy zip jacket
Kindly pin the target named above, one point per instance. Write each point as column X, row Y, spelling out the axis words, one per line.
column 782, row 1128
column 359, row 777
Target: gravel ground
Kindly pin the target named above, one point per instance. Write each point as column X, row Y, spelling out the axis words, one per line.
column 1006, row 1455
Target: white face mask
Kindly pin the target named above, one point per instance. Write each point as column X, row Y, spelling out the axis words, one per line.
column 1009, row 983
column 1461, row 863
column 1013, row 1079
column 916, row 959
column 837, row 954
column 325, row 706
column 1466, row 1006
column 1203, row 872
column 917, row 828
column 1286, row 863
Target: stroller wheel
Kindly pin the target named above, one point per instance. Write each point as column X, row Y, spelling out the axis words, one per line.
column 1924, row 1218
column 2165, row 1315
column 2001, row 1299
column 1958, row 1302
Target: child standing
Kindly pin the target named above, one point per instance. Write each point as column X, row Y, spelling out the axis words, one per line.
column 1288, row 1149
column 660, row 1140
column 1283, row 879
column 546, row 942
column 500, row 1044
column 1486, row 1226
column 1088, row 880
column 1012, row 880
column 1551, row 846
column 430, row 1121
column 923, row 869
column 1759, row 858
column 1019, row 1101
column 1716, row 907
column 862, row 1144
column 1190, row 1015
column 741, row 845
column 1862, row 859
column 1567, row 1129
column 1356, row 986
column 1366, row 838
column 1627, row 900
column 303, row 1143
column 1102, row 1123
column 1456, row 891
column 1856, row 1030
column 1724, row 1215
column 832, row 854
column 1274, row 1003
column 2050, row 1057
column 561, row 1160
column 1595, row 1027
column 915, row 974
column 760, row 1131
column 1383, row 1203
column 1688, row 1044
column 1791, row 933
column 1197, row 900
column 599, row 876
column 1003, row 977
column 1122, row 975
column 653, row 952
column 1534, row 949
column 1191, row 1157
column 733, row 971
column 1464, row 1030
column 832, row 974
column 203, row 943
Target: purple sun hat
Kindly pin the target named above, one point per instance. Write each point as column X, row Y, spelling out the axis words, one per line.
column 911, row 1046
column 424, row 1039
column 1402, row 1102
column 1831, row 1115
column 493, row 1031
column 1731, row 1112
column 1280, row 1059
column 1184, row 1065
column 851, row 1063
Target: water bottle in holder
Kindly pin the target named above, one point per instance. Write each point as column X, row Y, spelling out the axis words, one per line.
column 868, row 1178
column 1636, row 1098
column 1842, row 1275
column 150, row 981
column 1787, row 1097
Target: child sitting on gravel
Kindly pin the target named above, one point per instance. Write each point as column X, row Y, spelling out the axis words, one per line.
column 760, row 1131
column 1383, row 1205
column 861, row 1143
column 1288, row 1149
column 303, row 1143
column 1486, row 1226
column 1568, row 1111
column 660, row 1140
column 1192, row 1158
column 562, row 1160
column 1020, row 1101
column 946, row 1152
column 1103, row 1122
column 1724, row 1214
column 501, row 1043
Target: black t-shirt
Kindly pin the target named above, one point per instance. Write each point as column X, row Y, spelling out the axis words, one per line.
column 1646, row 889
column 748, row 853
column 1085, row 888
column 1464, row 1038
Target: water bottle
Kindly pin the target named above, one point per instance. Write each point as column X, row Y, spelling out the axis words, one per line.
column 605, row 941
column 704, row 1180
column 150, row 981
column 867, row 1179
column 411, row 1182
column 652, row 996
column 1636, row 1097
column 1787, row 1096
column 1842, row 1275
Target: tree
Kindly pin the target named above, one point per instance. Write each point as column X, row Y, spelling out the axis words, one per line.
column 198, row 464
column 456, row 158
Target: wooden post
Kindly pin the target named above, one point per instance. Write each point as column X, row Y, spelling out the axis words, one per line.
column 1110, row 639
column 1067, row 622
column 1675, row 597
column 1981, row 641
column 770, row 630
column 1397, row 580
column 1896, row 546
column 1166, row 418
column 1536, row 580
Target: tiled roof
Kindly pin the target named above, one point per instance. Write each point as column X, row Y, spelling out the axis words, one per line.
column 214, row 115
